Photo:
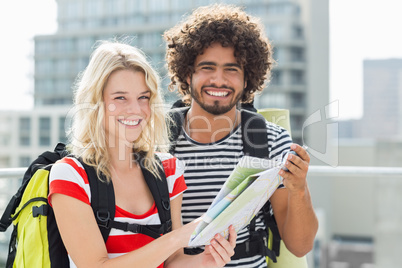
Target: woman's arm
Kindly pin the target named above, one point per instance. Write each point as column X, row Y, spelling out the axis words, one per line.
column 84, row 243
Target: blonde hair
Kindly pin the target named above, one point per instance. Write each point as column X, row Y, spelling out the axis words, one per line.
column 87, row 135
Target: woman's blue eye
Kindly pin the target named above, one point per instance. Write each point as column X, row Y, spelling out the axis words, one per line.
column 120, row 98
column 145, row 97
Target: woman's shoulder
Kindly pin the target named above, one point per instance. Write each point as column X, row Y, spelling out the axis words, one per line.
column 170, row 163
column 164, row 156
column 69, row 167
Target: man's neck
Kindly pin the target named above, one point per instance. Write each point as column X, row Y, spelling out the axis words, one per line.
column 205, row 127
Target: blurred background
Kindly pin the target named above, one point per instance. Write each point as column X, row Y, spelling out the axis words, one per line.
column 338, row 72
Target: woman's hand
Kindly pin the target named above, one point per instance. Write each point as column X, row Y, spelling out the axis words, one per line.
column 219, row 252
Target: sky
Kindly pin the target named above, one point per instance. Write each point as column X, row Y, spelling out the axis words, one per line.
column 359, row 29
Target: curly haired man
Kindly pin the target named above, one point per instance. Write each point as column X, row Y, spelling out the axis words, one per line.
column 219, row 58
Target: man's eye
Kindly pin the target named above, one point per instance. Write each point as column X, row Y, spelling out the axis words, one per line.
column 206, row 68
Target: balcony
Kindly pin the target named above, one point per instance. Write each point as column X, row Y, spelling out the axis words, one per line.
column 359, row 210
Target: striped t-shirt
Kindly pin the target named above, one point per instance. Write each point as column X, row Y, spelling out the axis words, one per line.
column 207, row 166
column 68, row 177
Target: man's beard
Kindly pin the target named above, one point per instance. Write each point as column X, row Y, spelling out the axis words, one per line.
column 214, row 109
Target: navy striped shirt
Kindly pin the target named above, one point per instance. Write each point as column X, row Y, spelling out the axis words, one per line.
column 207, row 168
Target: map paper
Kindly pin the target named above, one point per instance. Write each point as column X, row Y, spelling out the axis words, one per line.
column 247, row 189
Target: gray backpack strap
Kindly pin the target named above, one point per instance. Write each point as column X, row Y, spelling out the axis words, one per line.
column 175, row 125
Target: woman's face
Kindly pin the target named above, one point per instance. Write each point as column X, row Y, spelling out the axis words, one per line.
column 127, row 108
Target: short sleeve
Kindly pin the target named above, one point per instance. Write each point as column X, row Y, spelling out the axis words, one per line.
column 68, row 177
column 279, row 142
column 174, row 169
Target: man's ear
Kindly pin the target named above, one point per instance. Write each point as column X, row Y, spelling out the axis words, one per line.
column 245, row 83
column 188, row 80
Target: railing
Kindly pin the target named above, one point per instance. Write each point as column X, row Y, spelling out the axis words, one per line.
column 8, row 180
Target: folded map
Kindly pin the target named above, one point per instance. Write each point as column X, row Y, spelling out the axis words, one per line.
column 247, row 189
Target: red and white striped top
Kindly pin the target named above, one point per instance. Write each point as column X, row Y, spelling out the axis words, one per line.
column 68, row 177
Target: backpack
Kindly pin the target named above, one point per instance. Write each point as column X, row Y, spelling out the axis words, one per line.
column 35, row 240
column 255, row 143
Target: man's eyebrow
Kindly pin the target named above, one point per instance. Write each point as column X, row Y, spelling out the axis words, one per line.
column 232, row 65
column 203, row 63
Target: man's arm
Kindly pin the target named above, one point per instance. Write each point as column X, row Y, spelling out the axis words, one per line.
column 293, row 209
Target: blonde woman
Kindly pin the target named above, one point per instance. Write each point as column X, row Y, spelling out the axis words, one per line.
column 119, row 114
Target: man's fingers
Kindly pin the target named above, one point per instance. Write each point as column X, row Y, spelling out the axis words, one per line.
column 301, row 151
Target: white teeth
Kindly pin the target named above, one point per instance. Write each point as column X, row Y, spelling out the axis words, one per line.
column 218, row 93
column 130, row 122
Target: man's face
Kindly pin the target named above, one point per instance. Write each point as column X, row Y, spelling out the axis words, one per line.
column 217, row 83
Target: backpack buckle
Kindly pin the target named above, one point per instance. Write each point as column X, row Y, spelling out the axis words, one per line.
column 103, row 221
column 166, row 205
column 42, row 210
column 168, row 225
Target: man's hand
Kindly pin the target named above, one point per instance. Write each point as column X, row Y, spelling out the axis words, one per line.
column 295, row 178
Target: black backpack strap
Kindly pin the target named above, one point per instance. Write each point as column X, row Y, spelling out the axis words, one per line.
column 255, row 143
column 160, row 193
column 102, row 200
column 175, row 125
column 104, row 206
column 270, row 222
column 254, row 134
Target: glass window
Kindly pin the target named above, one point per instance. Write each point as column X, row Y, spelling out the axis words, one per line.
column 297, row 32
column 43, row 46
column 25, row 131
column 74, row 25
column 4, row 162
column 24, row 161
column 297, row 100
column 278, row 54
column 93, row 8
column 180, row 4
column 136, row 6
column 112, row 7
column 274, row 31
column 43, row 66
column 81, row 64
column 157, row 5
column 44, row 131
column 62, row 129
column 282, row 9
column 84, row 44
column 296, row 121
column 159, row 18
column 297, row 77
column 296, row 54
column 256, row 10
column 276, row 77
column 272, row 100
column 62, row 66
column 74, row 9
column 43, row 86
column 206, row 2
column 65, row 45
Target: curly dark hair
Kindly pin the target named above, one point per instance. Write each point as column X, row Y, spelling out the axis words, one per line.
column 228, row 25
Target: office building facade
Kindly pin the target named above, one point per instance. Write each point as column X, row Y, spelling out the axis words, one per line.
column 299, row 80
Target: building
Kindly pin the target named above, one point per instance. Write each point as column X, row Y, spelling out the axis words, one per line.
column 297, row 29
column 26, row 134
column 382, row 99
